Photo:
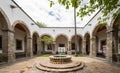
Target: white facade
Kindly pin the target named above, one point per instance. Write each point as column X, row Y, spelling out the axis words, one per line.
column 14, row 15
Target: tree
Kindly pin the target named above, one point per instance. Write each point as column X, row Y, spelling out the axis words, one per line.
column 67, row 7
column 41, row 24
column 48, row 40
column 107, row 6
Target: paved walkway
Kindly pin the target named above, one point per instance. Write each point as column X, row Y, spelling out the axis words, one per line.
column 92, row 66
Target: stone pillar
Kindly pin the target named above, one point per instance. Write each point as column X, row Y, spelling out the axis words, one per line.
column 93, row 46
column 78, row 47
column 69, row 48
column 8, row 45
column 41, row 46
column 38, row 46
column 109, row 45
column 84, row 47
column 29, row 51
column 54, row 48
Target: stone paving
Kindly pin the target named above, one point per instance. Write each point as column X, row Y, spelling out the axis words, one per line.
column 92, row 66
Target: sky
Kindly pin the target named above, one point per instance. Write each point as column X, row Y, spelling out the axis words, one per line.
column 56, row 16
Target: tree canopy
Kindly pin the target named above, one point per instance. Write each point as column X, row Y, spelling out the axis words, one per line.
column 107, row 6
column 41, row 24
column 47, row 39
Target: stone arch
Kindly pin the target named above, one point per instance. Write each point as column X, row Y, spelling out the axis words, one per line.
column 23, row 39
column 87, row 33
column 35, row 32
column 115, row 48
column 98, row 41
column 6, row 38
column 6, row 25
column 23, row 24
column 35, row 43
column 98, row 26
column 79, row 44
column 87, row 43
column 62, row 35
column 115, row 20
column 47, row 47
column 79, row 35
column 61, row 42
column 46, row 34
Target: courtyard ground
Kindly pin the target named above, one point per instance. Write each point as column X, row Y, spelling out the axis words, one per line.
column 93, row 65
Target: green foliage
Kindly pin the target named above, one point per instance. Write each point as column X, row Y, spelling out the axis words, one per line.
column 116, row 14
column 44, row 55
column 80, row 55
column 47, row 39
column 108, row 6
column 41, row 24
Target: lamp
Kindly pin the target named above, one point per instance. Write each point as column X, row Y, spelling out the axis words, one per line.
column 12, row 6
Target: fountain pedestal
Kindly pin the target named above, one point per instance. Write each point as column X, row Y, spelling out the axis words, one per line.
column 59, row 63
column 60, row 59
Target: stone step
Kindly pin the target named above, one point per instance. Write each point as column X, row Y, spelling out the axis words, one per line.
column 61, row 66
column 80, row 67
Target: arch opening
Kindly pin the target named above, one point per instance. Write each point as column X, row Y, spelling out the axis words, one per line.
column 100, row 37
column 79, row 44
column 35, row 43
column 21, row 35
column 87, row 43
column 116, row 40
column 4, row 48
column 61, row 44
column 47, row 44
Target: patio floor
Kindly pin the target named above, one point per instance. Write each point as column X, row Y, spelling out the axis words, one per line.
column 93, row 65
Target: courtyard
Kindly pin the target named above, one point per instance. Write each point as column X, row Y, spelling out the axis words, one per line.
column 92, row 65
column 57, row 42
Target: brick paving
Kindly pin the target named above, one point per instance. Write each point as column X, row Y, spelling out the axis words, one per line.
column 92, row 66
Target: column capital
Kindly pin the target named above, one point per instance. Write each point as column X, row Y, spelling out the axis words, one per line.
column 54, row 42
column 29, row 37
column 8, row 30
column 93, row 38
column 84, row 40
column 69, row 41
column 110, row 30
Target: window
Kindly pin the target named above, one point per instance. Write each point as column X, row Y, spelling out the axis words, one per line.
column 0, row 42
column 73, row 46
column 49, row 47
column 61, row 45
column 18, row 44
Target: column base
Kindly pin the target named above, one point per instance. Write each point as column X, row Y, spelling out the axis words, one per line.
column 69, row 52
column 53, row 52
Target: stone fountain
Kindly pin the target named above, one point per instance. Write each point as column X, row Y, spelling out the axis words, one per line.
column 60, row 59
column 59, row 63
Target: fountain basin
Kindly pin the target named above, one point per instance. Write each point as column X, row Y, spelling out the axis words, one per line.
column 60, row 59
column 46, row 66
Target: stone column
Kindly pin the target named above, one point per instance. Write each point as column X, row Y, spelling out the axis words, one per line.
column 69, row 48
column 29, row 51
column 78, row 47
column 109, row 44
column 41, row 43
column 93, row 46
column 54, row 48
column 84, row 47
column 8, row 45
column 38, row 46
